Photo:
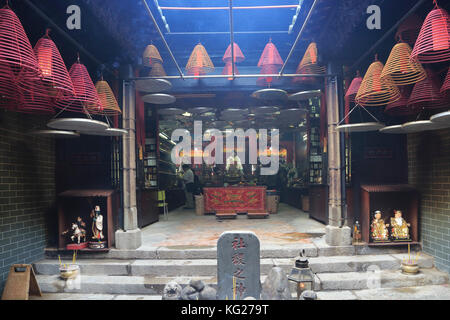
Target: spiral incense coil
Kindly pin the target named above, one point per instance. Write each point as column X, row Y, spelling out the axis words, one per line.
column 228, row 70
column 353, row 88
column 446, row 86
column 270, row 56
column 107, row 99
column 238, row 55
column 400, row 107
column 54, row 71
column 309, row 65
column 86, row 96
column 151, row 55
column 268, row 69
column 426, row 94
column 199, row 62
column 157, row 70
column 15, row 48
column 374, row 91
column 9, row 91
column 433, row 43
column 400, row 68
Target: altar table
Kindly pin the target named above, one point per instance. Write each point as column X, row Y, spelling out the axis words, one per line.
column 239, row 199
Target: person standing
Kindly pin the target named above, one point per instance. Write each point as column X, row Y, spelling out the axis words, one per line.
column 188, row 182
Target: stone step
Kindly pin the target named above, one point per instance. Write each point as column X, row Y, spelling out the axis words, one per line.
column 313, row 248
column 115, row 285
column 208, row 267
column 380, row 279
column 95, row 296
column 358, row 263
column 428, row 292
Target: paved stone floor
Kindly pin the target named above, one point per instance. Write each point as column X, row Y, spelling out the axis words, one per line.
column 185, row 229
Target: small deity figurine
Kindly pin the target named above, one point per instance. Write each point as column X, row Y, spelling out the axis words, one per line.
column 356, row 232
column 97, row 224
column 378, row 229
column 399, row 227
column 77, row 230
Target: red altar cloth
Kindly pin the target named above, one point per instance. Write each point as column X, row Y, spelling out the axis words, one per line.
column 239, row 199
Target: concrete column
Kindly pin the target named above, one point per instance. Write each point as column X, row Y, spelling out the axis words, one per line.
column 130, row 237
column 336, row 233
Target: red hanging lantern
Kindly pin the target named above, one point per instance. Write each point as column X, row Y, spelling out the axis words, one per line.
column 199, row 62
column 409, row 30
column 15, row 48
column 400, row 107
column 269, row 62
column 433, row 43
column 426, row 94
column 446, row 86
column 54, row 71
column 86, row 96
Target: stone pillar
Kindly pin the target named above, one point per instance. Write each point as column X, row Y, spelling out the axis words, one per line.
column 130, row 237
column 336, row 233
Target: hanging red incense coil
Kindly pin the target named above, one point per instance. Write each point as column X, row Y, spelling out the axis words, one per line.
column 15, row 48
column 268, row 69
column 54, row 72
column 227, row 57
column 238, row 55
column 228, row 70
column 426, row 94
column 86, row 96
column 409, row 30
column 433, row 43
column 446, row 86
column 270, row 63
column 34, row 102
column 270, row 56
column 400, row 68
column 9, row 91
column 199, row 62
column 353, row 88
column 400, row 107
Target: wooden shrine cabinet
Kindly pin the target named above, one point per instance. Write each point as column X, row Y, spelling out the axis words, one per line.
column 388, row 198
column 80, row 203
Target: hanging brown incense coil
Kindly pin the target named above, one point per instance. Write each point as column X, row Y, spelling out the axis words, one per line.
column 400, row 68
column 157, row 70
column 199, row 62
column 151, row 55
column 373, row 90
column 107, row 99
column 309, row 65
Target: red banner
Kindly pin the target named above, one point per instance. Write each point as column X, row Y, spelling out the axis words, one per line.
column 239, row 199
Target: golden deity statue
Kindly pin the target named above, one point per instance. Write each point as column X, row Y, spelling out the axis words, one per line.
column 378, row 229
column 399, row 227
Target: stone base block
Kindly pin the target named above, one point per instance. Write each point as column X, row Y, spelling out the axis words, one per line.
column 131, row 239
column 335, row 236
